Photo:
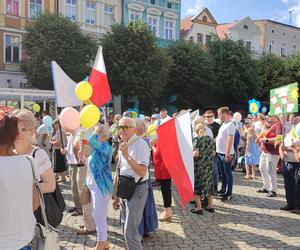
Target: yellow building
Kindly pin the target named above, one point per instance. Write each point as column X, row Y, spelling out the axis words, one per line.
column 14, row 15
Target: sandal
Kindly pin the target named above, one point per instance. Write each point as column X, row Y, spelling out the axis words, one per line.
column 197, row 211
column 77, row 213
column 85, row 232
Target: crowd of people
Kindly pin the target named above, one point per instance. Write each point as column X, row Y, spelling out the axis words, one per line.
column 88, row 157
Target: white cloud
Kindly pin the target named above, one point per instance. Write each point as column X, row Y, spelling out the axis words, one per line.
column 285, row 1
column 198, row 5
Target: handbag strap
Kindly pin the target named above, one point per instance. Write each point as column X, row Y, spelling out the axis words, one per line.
column 41, row 197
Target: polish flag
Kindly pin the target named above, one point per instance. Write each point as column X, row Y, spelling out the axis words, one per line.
column 175, row 140
column 98, row 79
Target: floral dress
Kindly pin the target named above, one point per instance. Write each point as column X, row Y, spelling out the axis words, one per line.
column 203, row 165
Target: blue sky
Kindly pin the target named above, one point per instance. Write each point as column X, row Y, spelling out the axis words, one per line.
column 229, row 10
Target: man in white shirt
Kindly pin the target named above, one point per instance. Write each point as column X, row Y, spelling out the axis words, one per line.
column 225, row 152
column 44, row 134
column 133, row 162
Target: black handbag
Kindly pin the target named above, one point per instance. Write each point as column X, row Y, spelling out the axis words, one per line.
column 54, row 204
column 126, row 186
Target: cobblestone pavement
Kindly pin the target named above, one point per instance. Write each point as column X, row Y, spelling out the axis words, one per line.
column 248, row 221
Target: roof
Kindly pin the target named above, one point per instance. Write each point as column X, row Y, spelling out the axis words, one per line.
column 222, row 29
column 268, row 20
column 208, row 13
column 185, row 26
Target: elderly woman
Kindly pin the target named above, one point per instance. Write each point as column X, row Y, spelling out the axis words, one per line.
column 100, row 182
column 18, row 194
column 203, row 152
column 24, row 146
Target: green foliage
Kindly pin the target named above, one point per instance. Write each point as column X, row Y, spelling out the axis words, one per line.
column 54, row 37
column 235, row 70
column 191, row 76
column 293, row 67
column 274, row 73
column 135, row 65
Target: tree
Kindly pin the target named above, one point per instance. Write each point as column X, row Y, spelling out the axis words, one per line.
column 54, row 37
column 293, row 68
column 235, row 70
column 135, row 65
column 274, row 73
column 191, row 76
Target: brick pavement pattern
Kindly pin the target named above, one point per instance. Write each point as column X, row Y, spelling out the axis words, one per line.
column 249, row 221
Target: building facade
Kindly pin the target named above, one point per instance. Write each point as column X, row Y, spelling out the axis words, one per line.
column 93, row 16
column 278, row 38
column 199, row 28
column 245, row 30
column 162, row 17
column 14, row 15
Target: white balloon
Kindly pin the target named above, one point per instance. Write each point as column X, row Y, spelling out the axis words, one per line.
column 237, row 117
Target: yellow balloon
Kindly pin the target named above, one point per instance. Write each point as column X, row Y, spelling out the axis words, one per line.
column 134, row 114
column 36, row 108
column 152, row 129
column 83, row 91
column 89, row 116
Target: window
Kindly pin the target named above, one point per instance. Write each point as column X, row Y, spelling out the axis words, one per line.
column 169, row 5
column 153, row 25
column 245, row 27
column 283, row 33
column 90, row 13
column 108, row 15
column 200, row 38
column 204, row 19
column 152, row 1
column 12, row 7
column 208, row 38
column 273, row 31
column 169, row 30
column 294, row 49
column 134, row 17
column 271, row 46
column 191, row 38
column 282, row 50
column 35, row 8
column 71, row 9
column 248, row 45
column 12, row 49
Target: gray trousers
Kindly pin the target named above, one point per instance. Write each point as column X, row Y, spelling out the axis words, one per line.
column 131, row 214
column 74, row 185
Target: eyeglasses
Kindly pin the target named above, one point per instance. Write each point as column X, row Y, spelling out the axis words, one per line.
column 124, row 128
column 209, row 116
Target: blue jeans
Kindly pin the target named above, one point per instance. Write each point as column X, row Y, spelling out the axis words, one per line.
column 291, row 176
column 226, row 174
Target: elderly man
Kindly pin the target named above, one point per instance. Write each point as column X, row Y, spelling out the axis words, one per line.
column 133, row 162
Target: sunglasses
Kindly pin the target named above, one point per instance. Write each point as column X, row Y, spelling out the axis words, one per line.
column 124, row 128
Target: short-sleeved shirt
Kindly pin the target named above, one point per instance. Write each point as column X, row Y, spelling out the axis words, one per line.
column 41, row 159
column 227, row 129
column 16, row 211
column 140, row 152
column 276, row 129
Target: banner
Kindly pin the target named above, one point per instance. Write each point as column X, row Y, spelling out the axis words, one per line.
column 284, row 100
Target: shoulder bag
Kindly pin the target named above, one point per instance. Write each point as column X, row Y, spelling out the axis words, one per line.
column 54, row 206
column 46, row 237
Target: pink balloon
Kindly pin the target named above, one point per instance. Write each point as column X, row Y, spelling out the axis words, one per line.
column 70, row 118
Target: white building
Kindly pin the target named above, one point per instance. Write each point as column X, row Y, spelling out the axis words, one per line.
column 245, row 30
column 199, row 28
column 93, row 16
column 278, row 38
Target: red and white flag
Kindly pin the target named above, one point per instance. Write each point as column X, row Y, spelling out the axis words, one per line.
column 175, row 140
column 98, row 80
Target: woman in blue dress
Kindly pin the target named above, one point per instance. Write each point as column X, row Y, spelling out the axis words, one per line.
column 252, row 153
